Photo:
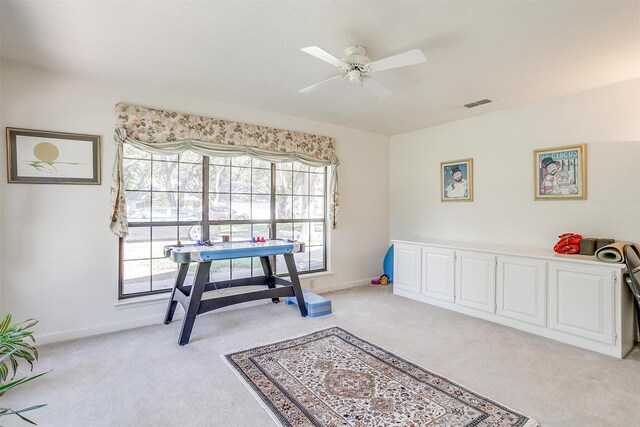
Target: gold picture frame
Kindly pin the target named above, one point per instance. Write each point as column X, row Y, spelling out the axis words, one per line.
column 560, row 173
column 44, row 157
column 456, row 181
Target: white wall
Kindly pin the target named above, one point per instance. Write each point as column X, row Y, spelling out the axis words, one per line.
column 60, row 259
column 501, row 145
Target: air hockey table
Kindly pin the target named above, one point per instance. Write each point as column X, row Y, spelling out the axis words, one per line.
column 191, row 296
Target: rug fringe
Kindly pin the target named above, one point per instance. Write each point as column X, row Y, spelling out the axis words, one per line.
column 255, row 395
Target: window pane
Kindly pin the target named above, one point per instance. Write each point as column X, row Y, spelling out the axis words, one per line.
column 261, row 164
column 300, row 167
column 190, row 233
column 137, row 174
column 169, row 158
column 190, row 157
column 261, row 181
column 241, row 268
column 284, row 182
column 164, row 207
column 165, row 176
column 300, row 207
column 138, row 206
column 284, row 166
column 244, row 161
column 222, row 161
column 219, row 179
column 162, row 236
column 284, row 207
column 257, row 267
column 301, row 232
column 190, row 207
column 300, row 183
column 316, row 207
column 216, row 231
column 133, row 152
column 260, row 230
column 302, row 261
column 316, row 233
column 190, row 177
column 321, row 169
column 241, row 232
column 163, row 273
column 220, row 270
column 317, row 184
column 240, row 206
column 284, row 231
column 241, row 180
column 260, row 207
column 136, row 276
column 137, row 244
column 219, row 207
column 316, row 258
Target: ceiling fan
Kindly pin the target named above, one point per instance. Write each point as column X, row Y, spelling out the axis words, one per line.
column 357, row 67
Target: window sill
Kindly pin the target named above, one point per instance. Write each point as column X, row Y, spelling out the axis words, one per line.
column 142, row 301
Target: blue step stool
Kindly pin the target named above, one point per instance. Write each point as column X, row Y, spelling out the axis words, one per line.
column 316, row 305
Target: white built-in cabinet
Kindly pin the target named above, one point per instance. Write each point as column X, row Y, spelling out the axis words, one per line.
column 581, row 301
column 574, row 300
column 475, row 277
column 521, row 289
column 438, row 272
column 406, row 262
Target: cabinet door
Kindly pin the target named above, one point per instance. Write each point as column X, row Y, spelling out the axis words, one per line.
column 581, row 301
column 522, row 289
column 476, row 280
column 437, row 273
column 407, row 267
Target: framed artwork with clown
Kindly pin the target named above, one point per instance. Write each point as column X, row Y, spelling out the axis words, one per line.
column 560, row 173
column 456, row 181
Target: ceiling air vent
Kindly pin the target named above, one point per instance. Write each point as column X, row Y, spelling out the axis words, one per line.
column 475, row 104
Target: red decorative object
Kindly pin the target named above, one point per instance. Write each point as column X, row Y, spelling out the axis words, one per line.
column 569, row 243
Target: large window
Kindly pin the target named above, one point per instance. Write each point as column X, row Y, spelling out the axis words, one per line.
column 189, row 197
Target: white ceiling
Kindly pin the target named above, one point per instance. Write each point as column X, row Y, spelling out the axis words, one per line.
column 248, row 53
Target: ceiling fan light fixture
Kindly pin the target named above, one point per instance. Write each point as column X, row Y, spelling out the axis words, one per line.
column 355, row 76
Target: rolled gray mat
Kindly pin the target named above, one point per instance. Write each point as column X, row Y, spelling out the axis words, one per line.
column 614, row 252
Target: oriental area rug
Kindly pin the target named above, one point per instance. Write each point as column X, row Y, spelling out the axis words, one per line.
column 333, row 378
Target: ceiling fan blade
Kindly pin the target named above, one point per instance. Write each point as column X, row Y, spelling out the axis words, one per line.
column 377, row 88
column 312, row 87
column 325, row 56
column 410, row 57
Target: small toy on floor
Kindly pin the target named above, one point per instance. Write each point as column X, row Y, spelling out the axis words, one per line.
column 383, row 280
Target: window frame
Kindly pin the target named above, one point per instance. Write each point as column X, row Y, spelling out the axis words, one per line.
column 205, row 224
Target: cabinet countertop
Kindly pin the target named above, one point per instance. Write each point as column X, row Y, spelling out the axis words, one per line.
column 509, row 250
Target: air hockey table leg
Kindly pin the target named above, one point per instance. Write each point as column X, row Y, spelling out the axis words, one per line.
column 171, row 308
column 199, row 282
column 268, row 272
column 295, row 281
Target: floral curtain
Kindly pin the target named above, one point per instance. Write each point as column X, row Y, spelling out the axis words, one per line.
column 166, row 132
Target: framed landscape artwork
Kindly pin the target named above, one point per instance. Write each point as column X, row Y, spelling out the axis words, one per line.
column 41, row 157
column 456, row 181
column 560, row 173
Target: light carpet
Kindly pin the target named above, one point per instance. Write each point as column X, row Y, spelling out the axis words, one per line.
column 142, row 377
column 331, row 377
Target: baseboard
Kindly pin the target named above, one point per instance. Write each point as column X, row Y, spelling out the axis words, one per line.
column 54, row 337
column 339, row 286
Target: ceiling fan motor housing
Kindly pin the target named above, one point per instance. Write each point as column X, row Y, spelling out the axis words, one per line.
column 356, row 57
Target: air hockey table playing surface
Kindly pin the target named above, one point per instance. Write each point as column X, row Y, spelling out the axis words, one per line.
column 232, row 250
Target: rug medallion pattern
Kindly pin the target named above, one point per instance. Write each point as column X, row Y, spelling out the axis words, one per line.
column 333, row 378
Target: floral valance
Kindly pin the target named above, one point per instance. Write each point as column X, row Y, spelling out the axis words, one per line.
column 166, row 132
